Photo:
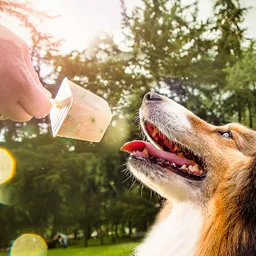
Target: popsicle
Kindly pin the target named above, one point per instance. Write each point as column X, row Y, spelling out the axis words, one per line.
column 79, row 114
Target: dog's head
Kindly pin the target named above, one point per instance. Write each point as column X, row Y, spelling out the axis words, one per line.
column 187, row 158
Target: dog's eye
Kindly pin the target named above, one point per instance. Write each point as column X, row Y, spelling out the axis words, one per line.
column 226, row 134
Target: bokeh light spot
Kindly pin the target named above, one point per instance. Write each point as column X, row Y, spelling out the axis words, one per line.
column 7, row 165
column 29, row 245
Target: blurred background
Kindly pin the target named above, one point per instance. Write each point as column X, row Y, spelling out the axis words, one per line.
column 201, row 54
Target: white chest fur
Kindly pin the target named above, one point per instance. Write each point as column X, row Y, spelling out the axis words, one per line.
column 175, row 236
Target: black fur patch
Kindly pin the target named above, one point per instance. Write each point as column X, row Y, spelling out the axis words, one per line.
column 246, row 214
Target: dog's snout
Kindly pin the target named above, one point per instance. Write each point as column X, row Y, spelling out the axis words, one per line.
column 152, row 96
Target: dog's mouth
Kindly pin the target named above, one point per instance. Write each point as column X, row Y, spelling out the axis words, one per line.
column 167, row 154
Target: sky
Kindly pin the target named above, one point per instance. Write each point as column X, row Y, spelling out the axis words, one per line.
column 81, row 21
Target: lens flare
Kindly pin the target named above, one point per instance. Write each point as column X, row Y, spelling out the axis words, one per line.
column 29, row 245
column 7, row 165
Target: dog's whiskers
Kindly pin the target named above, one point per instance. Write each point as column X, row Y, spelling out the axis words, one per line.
column 125, row 170
column 134, row 181
column 141, row 189
column 130, row 176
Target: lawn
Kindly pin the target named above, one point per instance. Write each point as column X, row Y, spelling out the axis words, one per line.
column 123, row 249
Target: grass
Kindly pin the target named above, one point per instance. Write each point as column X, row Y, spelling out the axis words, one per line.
column 123, row 249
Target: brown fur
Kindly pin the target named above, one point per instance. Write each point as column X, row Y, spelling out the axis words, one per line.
column 229, row 192
column 227, row 195
column 230, row 224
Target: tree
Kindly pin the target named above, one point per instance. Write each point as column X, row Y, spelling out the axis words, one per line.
column 167, row 49
column 43, row 46
column 241, row 87
column 226, row 25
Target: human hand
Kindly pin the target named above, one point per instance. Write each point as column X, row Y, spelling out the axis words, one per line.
column 22, row 96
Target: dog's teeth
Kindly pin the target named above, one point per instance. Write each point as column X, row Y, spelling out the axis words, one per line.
column 155, row 131
column 184, row 167
column 145, row 152
column 193, row 168
column 190, row 168
column 173, row 164
column 196, row 166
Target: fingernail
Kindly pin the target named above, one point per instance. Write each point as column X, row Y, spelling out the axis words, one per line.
column 47, row 93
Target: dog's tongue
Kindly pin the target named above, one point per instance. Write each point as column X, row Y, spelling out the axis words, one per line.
column 138, row 145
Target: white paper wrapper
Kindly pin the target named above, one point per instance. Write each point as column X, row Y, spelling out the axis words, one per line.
column 61, row 107
column 79, row 114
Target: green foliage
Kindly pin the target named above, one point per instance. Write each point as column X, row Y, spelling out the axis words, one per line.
column 109, row 250
column 241, row 87
column 67, row 185
column 113, row 250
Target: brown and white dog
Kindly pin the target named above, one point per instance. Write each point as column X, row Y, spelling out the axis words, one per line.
column 207, row 172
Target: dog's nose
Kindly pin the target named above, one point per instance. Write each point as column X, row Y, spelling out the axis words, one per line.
column 152, row 96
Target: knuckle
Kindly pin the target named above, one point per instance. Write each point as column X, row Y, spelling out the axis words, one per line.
column 16, row 66
column 15, row 46
column 18, row 74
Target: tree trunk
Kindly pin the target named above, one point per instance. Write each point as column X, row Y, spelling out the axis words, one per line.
column 250, row 115
column 86, row 223
column 100, row 235
column 130, row 228
column 113, row 238
column 123, row 230
column 116, row 231
column 239, row 116
column 145, row 226
column 86, row 235
column 75, row 234
column 89, row 231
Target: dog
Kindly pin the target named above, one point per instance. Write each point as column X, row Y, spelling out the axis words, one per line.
column 207, row 174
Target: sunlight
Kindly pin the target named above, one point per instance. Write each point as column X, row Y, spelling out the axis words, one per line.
column 29, row 245
column 79, row 22
column 7, row 165
column 47, row 5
